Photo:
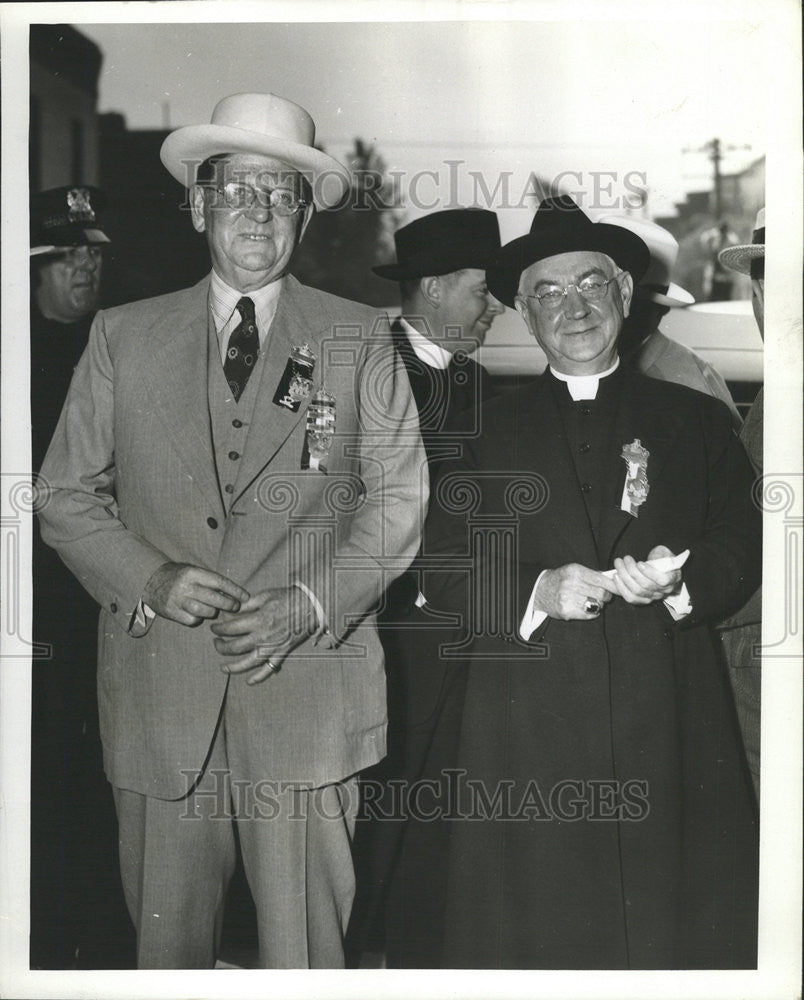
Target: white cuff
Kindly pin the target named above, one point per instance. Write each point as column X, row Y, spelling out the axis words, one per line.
column 532, row 618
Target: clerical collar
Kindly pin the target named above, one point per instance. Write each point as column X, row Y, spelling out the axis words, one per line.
column 430, row 353
column 584, row 386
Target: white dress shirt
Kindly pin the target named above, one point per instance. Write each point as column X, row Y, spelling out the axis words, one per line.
column 426, row 350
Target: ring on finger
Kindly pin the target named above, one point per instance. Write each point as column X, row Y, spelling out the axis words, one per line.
column 272, row 668
column 591, row 606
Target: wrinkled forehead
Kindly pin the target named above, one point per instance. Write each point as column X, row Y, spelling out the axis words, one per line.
column 253, row 168
column 566, row 267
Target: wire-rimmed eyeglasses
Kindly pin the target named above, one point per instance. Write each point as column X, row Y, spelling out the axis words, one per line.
column 592, row 288
column 283, row 201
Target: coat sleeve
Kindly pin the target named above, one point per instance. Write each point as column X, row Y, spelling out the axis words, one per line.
column 384, row 532
column 725, row 561
column 77, row 507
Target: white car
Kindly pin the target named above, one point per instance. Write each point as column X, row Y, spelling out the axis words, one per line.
column 723, row 333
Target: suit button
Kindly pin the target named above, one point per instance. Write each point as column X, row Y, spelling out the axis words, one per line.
column 584, row 447
column 237, row 423
column 234, row 455
column 229, row 488
column 668, row 633
column 586, row 487
column 113, row 608
column 212, row 522
column 586, row 411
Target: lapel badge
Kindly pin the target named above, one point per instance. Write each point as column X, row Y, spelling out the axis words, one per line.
column 297, row 379
column 320, row 430
column 636, row 488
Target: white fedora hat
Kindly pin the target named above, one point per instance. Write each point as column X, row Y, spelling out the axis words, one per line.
column 258, row 123
column 739, row 258
column 656, row 284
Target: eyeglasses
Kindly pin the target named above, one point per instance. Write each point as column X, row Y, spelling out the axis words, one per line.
column 280, row 200
column 591, row 289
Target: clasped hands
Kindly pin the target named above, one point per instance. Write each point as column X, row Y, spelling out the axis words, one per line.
column 572, row 591
column 255, row 632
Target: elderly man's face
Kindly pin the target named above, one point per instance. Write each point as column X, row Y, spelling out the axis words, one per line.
column 579, row 336
column 69, row 284
column 249, row 246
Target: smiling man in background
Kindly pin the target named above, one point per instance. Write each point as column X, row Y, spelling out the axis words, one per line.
column 238, row 524
column 446, row 312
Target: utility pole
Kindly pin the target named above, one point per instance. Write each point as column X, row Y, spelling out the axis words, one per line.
column 715, row 149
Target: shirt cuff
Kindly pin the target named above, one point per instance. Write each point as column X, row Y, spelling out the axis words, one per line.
column 679, row 605
column 532, row 618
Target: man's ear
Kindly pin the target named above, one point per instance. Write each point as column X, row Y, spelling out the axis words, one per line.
column 430, row 288
column 626, row 284
column 521, row 307
column 197, row 208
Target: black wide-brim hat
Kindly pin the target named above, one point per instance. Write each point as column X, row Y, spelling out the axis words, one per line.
column 443, row 242
column 561, row 226
column 66, row 217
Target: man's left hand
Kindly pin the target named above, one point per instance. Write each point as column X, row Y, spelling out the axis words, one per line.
column 268, row 627
column 640, row 583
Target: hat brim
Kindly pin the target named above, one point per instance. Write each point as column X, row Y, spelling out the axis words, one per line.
column 92, row 237
column 625, row 248
column 186, row 148
column 739, row 258
column 409, row 270
column 674, row 296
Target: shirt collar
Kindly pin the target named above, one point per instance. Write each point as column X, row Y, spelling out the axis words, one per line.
column 584, row 386
column 426, row 350
column 224, row 299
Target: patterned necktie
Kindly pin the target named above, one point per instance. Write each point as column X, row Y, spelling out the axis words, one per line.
column 243, row 349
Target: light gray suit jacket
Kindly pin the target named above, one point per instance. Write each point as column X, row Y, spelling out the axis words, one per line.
column 133, row 483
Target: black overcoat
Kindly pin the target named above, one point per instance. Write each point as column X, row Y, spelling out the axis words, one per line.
column 611, row 823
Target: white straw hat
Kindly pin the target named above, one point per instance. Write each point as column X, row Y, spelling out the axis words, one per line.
column 656, row 284
column 258, row 123
column 739, row 258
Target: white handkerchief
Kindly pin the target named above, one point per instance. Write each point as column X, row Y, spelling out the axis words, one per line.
column 664, row 564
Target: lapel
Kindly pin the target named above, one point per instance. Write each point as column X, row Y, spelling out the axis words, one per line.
column 296, row 322
column 644, row 414
column 541, row 446
column 174, row 374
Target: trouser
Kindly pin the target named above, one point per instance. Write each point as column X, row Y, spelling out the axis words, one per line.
column 177, row 857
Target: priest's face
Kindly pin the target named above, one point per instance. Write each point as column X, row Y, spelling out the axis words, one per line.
column 574, row 305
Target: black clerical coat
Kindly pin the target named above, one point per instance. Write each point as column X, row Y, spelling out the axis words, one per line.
column 606, row 754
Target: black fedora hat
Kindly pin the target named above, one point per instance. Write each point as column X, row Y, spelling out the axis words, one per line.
column 66, row 217
column 443, row 242
column 561, row 226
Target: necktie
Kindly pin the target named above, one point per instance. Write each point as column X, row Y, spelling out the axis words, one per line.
column 243, row 349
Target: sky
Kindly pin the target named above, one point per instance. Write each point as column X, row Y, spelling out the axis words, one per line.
column 577, row 100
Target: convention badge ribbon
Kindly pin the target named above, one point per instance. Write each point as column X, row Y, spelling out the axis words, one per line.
column 320, row 430
column 297, row 379
column 636, row 489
